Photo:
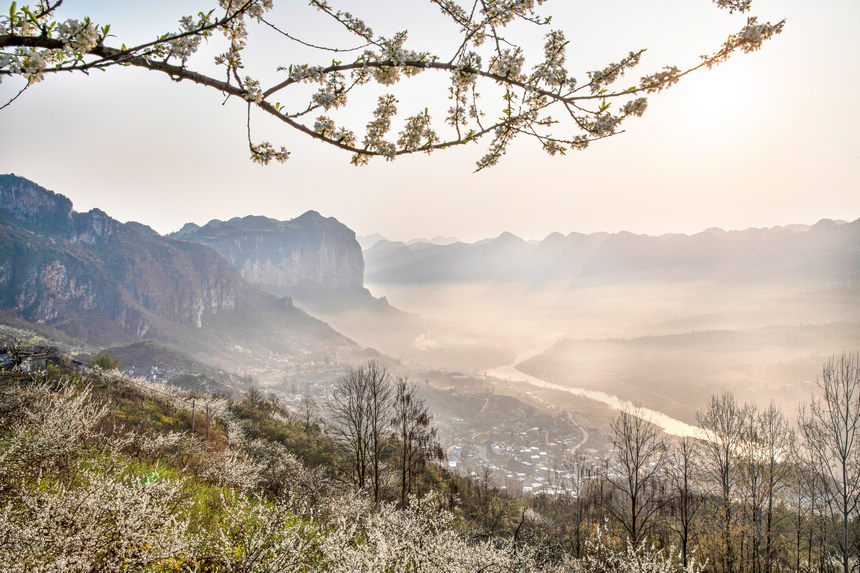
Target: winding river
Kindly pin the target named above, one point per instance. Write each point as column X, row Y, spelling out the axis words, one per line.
column 668, row 424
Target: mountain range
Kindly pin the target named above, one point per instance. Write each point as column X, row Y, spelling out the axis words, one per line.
column 254, row 287
column 828, row 248
column 106, row 282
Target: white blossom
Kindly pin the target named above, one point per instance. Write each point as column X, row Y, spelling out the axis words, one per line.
column 265, row 152
column 418, row 133
column 253, row 92
column 508, row 64
column 374, row 139
column 78, row 36
column 528, row 94
column 635, row 107
column 602, row 557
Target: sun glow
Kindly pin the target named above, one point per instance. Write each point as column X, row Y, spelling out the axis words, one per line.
column 716, row 100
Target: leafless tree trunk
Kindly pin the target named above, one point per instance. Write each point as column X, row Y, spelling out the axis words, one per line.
column 379, row 413
column 805, row 492
column 751, row 485
column 308, row 407
column 777, row 449
column 640, row 456
column 417, row 438
column 830, row 426
column 578, row 472
column 349, row 419
column 683, row 474
column 723, row 423
column 360, row 413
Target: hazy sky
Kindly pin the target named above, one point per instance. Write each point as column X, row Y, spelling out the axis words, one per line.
column 766, row 139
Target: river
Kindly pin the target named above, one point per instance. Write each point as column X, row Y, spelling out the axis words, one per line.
column 668, row 424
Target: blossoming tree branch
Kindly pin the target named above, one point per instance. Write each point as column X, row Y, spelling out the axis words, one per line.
column 542, row 99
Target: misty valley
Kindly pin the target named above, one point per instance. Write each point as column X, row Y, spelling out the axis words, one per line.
column 445, row 286
column 525, row 366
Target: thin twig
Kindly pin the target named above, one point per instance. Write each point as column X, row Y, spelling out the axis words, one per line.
column 308, row 44
column 16, row 96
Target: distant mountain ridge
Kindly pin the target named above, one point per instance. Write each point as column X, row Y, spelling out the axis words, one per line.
column 829, row 248
column 103, row 281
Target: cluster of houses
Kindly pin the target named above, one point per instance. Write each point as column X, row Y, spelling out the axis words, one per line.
column 35, row 359
column 153, row 374
column 527, row 461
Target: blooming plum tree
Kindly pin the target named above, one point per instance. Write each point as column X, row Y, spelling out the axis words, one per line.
column 542, row 99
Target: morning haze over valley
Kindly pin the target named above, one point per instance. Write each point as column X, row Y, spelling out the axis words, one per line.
column 482, row 295
column 570, row 328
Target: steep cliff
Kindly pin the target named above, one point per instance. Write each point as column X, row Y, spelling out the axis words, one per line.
column 316, row 261
column 308, row 252
column 95, row 278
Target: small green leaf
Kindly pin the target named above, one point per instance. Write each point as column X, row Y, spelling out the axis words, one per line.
column 30, row 16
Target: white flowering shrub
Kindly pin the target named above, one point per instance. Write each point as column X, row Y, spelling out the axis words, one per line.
column 46, row 431
column 80, row 493
column 601, row 556
column 256, row 536
column 113, row 522
column 231, row 468
column 541, row 99
column 421, row 538
column 278, row 469
column 151, row 446
column 69, row 501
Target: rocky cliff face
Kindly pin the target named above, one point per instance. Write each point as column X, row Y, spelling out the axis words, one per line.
column 97, row 278
column 310, row 251
column 108, row 283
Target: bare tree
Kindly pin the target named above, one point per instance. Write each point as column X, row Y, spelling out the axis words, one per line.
column 349, row 420
column 762, row 472
column 379, row 414
column 360, row 411
column 491, row 511
column 810, row 492
column 800, row 485
column 750, row 472
column 830, row 426
column 723, row 423
column 640, row 457
column 417, row 438
column 776, row 447
column 577, row 474
column 307, row 409
column 684, row 470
